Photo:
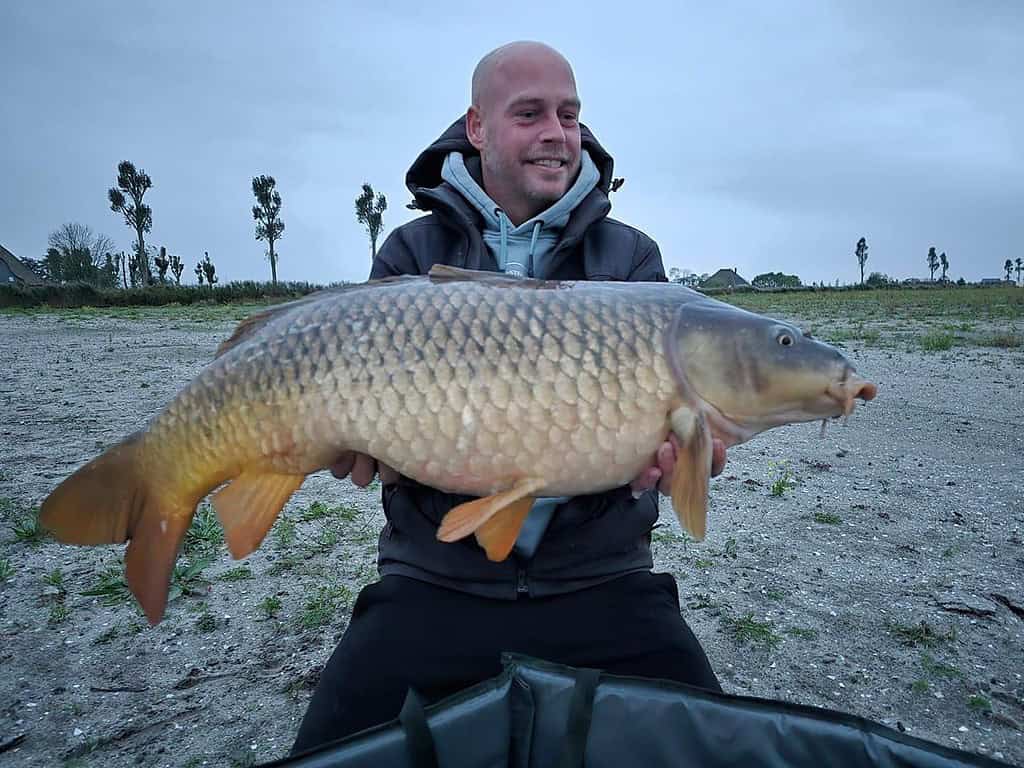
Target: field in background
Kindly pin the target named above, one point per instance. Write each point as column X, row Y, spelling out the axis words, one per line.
column 878, row 570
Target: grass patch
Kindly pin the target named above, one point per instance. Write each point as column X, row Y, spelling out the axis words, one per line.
column 322, row 607
column 937, row 668
column 936, row 341
column 920, row 686
column 6, row 569
column 59, row 613
column 28, row 530
column 120, row 629
column 204, row 534
column 187, row 578
column 782, row 479
column 773, row 593
column 206, row 622
column 827, row 518
column 922, row 634
column 1002, row 340
column 240, row 573
column 979, row 703
column 747, row 629
column 318, row 511
column 284, row 532
column 111, row 587
column 284, row 564
column 269, row 606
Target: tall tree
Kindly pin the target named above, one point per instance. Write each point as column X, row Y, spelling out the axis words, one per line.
column 267, row 213
column 371, row 214
column 137, row 214
column 862, row 256
column 177, row 267
column 933, row 261
column 945, row 265
column 1020, row 267
column 209, row 271
column 162, row 263
column 199, row 272
column 1008, row 265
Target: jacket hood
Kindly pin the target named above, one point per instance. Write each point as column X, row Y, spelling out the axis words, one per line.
column 425, row 172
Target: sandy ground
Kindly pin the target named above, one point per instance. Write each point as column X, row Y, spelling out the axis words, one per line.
column 887, row 579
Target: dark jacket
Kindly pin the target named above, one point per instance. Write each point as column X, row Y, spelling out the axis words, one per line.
column 591, row 538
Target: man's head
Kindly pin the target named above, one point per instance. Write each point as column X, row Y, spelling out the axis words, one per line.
column 524, row 120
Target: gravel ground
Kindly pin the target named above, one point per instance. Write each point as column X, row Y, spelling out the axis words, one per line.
column 878, row 570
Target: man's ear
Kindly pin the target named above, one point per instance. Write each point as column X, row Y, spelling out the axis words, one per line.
column 475, row 127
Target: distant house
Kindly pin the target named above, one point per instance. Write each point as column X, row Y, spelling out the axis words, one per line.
column 996, row 281
column 13, row 272
column 725, row 278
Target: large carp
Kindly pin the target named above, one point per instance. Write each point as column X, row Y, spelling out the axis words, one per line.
column 470, row 382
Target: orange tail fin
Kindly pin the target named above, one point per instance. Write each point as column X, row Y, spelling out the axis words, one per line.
column 109, row 501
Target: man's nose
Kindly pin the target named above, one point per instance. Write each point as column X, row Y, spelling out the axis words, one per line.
column 552, row 130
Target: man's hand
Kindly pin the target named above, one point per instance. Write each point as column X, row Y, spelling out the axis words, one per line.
column 362, row 468
column 660, row 473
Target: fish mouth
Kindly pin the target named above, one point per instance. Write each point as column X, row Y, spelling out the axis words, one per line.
column 848, row 390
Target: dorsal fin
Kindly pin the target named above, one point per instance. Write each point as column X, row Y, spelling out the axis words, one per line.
column 248, row 326
column 442, row 273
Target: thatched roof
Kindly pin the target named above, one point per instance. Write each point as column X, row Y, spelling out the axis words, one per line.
column 25, row 275
column 724, row 278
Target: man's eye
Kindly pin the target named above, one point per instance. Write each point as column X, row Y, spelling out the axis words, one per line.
column 527, row 114
column 569, row 118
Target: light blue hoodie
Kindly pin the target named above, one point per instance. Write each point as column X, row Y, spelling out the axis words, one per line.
column 523, row 251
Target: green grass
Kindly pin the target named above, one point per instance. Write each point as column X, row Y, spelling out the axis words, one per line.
column 922, row 634
column 746, row 629
column 59, row 613
column 827, row 518
column 240, row 573
column 937, row 668
column 979, row 703
column 204, row 534
column 120, row 629
column 935, row 341
column 206, row 622
column 6, row 569
column 283, row 532
column 28, row 530
column 920, row 686
column 55, row 579
column 318, row 511
column 187, row 578
column 1002, row 340
column 782, row 479
column 111, row 587
column 967, row 304
column 269, row 606
column 323, row 607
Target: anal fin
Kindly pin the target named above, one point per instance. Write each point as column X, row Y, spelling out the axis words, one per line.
column 248, row 506
column 692, row 474
column 473, row 515
column 498, row 535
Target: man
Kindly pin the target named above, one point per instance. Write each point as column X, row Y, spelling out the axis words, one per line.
column 519, row 186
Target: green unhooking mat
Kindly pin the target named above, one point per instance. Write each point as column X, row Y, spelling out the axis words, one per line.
column 541, row 715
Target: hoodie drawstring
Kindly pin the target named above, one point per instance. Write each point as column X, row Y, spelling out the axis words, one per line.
column 533, row 244
column 503, row 225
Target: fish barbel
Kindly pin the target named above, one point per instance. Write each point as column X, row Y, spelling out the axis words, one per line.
column 470, row 382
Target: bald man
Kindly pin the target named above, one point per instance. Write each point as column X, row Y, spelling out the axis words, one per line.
column 516, row 185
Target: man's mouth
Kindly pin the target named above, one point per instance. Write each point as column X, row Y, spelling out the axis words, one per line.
column 548, row 162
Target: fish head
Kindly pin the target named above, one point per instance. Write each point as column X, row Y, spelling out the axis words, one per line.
column 750, row 372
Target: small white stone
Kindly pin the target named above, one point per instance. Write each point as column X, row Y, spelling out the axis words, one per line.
column 77, row 732
column 962, row 729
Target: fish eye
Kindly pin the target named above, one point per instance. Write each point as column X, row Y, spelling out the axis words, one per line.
column 785, row 339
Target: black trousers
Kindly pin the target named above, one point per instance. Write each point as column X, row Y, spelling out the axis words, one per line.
column 406, row 633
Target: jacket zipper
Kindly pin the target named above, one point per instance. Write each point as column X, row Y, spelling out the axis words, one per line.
column 522, row 586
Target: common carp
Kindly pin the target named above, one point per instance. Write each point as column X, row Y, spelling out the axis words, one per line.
column 470, row 382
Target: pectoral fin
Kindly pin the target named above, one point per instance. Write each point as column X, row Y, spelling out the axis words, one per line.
column 473, row 517
column 248, row 506
column 693, row 471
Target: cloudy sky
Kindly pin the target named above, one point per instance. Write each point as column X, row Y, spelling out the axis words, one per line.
column 765, row 136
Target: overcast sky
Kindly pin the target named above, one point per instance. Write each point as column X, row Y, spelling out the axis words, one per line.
column 765, row 136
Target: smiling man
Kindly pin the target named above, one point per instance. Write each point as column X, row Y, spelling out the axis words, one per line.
column 516, row 185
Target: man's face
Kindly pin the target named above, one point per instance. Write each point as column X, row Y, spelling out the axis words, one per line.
column 526, row 127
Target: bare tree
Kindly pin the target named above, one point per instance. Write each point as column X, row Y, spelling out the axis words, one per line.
column 371, row 214
column 76, row 254
column 267, row 213
column 137, row 214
